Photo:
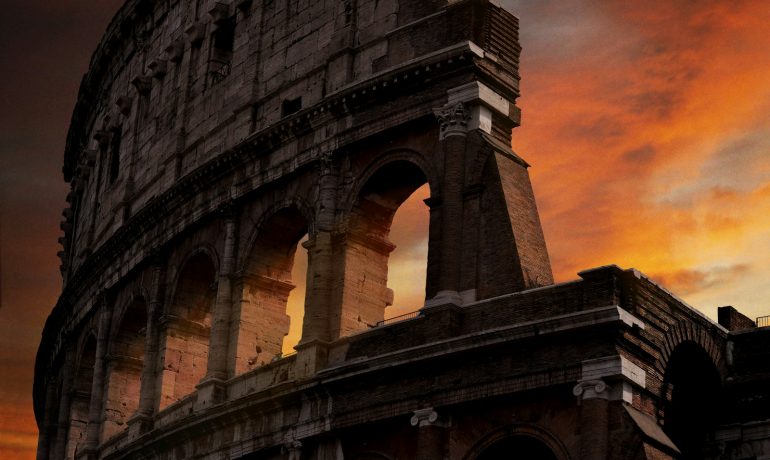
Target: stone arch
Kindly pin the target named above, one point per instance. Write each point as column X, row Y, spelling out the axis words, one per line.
column 522, row 435
column 391, row 156
column 692, row 332
column 125, row 363
column 299, row 204
column 202, row 248
column 80, row 399
column 265, row 283
column 187, row 324
column 690, row 378
column 137, row 294
column 366, row 248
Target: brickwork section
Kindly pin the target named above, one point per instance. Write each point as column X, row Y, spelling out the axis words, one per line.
column 732, row 320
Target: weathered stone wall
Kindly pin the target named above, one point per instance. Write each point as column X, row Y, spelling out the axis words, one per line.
column 210, row 138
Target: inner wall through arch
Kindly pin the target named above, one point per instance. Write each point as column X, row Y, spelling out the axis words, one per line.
column 406, row 267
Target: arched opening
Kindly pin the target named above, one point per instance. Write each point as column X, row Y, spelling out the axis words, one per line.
column 366, row 294
column 188, row 329
column 518, row 447
column 125, row 369
column 295, row 305
column 80, row 400
column 407, row 265
column 266, row 288
column 692, row 388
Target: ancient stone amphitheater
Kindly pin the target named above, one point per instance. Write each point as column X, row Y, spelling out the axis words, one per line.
column 209, row 138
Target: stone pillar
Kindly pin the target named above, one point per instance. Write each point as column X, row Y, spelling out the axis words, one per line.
column 321, row 261
column 593, row 397
column 96, row 409
column 211, row 388
column 431, row 438
column 217, row 364
column 62, row 424
column 470, row 241
column 454, row 125
column 148, row 397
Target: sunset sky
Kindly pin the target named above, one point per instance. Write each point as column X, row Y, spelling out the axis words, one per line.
column 647, row 125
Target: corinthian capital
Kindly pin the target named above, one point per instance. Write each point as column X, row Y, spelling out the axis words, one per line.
column 453, row 120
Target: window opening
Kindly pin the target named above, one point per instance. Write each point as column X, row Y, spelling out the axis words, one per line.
column 290, row 106
column 409, row 261
column 115, row 141
column 222, row 44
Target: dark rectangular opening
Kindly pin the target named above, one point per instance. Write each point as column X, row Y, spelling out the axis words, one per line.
column 289, row 106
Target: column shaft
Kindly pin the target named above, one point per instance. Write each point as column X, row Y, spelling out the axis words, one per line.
column 321, row 272
column 148, row 396
column 96, row 408
column 452, row 212
column 593, row 435
column 220, row 327
column 60, row 443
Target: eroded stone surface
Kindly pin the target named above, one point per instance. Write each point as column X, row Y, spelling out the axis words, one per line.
column 210, row 137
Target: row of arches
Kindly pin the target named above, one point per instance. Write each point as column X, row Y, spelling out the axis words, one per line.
column 263, row 308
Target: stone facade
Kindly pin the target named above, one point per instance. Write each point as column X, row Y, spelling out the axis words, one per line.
column 209, row 138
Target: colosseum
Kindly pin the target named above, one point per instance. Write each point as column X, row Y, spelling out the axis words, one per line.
column 210, row 139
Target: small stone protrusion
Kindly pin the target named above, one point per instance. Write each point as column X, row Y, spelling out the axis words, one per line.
column 142, row 84
column 102, row 137
column 219, row 13
column 124, row 105
column 89, row 157
column 158, row 68
column 195, row 33
column 175, row 51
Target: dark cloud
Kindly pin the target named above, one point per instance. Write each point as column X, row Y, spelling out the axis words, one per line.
column 658, row 104
column 643, row 154
column 46, row 47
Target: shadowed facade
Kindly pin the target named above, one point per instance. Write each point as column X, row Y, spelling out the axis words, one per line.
column 210, row 138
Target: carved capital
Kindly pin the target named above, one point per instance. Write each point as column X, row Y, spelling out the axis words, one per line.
column 292, row 446
column 326, row 163
column 591, row 389
column 228, row 210
column 453, row 120
column 424, row 417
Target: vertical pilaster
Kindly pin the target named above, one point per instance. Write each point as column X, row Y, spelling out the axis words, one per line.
column 593, row 397
column 148, row 396
column 470, row 241
column 96, row 408
column 320, row 247
column 62, row 425
column 211, row 389
column 431, row 438
column 454, row 124
column 217, row 363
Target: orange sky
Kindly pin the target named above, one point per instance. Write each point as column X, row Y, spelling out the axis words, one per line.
column 647, row 126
